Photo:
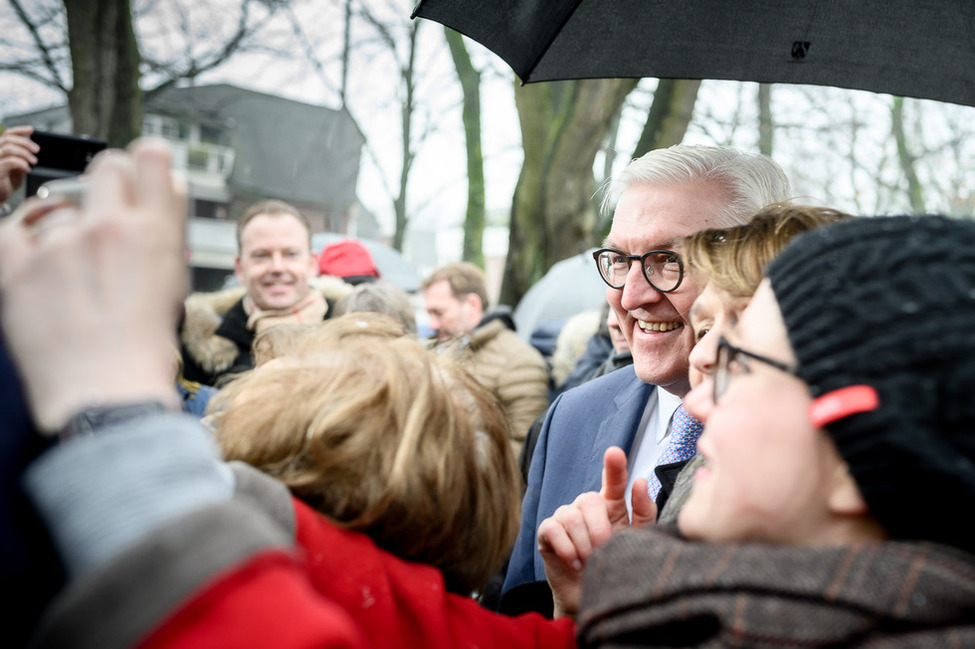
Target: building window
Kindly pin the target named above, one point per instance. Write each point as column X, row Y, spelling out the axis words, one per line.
column 203, row 209
column 170, row 128
column 211, row 135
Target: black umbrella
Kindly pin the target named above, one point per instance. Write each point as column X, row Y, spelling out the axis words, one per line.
column 569, row 287
column 913, row 48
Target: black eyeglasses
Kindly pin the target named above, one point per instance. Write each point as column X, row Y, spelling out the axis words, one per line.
column 729, row 354
column 663, row 269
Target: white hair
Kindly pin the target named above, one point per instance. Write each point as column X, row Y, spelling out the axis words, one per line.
column 751, row 180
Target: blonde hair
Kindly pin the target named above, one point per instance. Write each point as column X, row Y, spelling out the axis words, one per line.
column 734, row 259
column 299, row 340
column 280, row 340
column 383, row 437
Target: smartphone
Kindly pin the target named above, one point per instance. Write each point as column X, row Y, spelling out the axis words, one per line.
column 60, row 156
column 71, row 190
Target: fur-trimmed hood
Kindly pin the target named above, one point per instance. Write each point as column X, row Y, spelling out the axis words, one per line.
column 204, row 313
column 571, row 343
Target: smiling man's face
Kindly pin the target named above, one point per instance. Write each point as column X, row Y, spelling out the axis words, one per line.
column 275, row 262
column 656, row 325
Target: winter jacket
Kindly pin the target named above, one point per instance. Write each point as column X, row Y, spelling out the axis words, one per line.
column 575, row 341
column 261, row 569
column 511, row 369
column 214, row 338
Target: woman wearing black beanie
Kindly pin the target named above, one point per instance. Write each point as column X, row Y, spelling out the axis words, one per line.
column 840, row 461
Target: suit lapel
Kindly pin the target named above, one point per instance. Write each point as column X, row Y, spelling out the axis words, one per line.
column 618, row 429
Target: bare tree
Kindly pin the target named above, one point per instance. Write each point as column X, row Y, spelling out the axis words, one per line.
column 906, row 157
column 91, row 51
column 552, row 216
column 105, row 97
column 669, row 115
column 766, row 127
column 41, row 52
column 867, row 153
column 404, row 52
column 470, row 82
column 380, row 43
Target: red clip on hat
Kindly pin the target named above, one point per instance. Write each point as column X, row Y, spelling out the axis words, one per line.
column 841, row 403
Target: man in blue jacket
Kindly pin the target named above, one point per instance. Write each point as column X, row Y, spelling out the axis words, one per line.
column 660, row 198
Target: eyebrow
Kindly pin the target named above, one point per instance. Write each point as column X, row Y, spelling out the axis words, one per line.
column 695, row 310
column 663, row 245
column 732, row 332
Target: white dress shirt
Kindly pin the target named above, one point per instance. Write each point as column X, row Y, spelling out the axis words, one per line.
column 651, row 438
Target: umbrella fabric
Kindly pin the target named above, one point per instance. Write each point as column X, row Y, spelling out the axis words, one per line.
column 391, row 264
column 912, row 48
column 569, row 287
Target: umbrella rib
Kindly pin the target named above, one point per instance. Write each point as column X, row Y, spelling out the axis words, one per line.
column 548, row 45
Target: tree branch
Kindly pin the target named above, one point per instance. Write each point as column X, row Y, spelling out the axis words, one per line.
column 306, row 45
column 383, row 30
column 43, row 47
column 198, row 65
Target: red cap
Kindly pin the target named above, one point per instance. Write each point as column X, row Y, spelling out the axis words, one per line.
column 347, row 258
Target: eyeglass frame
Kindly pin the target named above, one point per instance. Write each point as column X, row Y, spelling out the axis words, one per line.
column 643, row 267
column 722, row 377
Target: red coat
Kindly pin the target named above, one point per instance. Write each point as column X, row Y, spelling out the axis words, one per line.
column 340, row 590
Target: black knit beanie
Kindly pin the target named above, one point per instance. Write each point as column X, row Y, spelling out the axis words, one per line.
column 889, row 302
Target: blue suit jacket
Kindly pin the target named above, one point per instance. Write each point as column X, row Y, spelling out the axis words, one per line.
column 579, row 426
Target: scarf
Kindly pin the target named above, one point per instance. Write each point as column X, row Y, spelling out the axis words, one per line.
column 312, row 309
column 651, row 588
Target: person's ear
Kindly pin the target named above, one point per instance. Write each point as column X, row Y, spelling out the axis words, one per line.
column 474, row 302
column 237, row 270
column 845, row 498
column 313, row 265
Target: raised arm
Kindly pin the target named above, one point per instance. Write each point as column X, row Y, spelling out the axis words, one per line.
column 103, row 260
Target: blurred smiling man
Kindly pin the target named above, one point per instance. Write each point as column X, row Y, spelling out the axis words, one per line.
column 275, row 261
column 275, row 265
column 659, row 198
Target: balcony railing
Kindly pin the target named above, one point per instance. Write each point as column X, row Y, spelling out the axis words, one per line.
column 201, row 156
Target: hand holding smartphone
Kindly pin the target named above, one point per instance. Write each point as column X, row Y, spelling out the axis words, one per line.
column 60, row 157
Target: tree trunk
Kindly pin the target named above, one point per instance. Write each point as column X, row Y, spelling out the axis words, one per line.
column 470, row 81
column 906, row 159
column 610, row 152
column 609, row 149
column 765, row 126
column 105, row 99
column 670, row 113
column 406, row 116
column 346, row 48
column 553, row 217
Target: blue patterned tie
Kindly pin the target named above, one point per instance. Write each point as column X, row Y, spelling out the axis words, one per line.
column 681, row 445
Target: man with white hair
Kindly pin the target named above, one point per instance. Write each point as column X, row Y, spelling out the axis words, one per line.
column 661, row 197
